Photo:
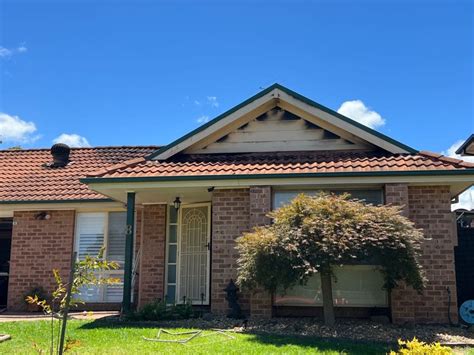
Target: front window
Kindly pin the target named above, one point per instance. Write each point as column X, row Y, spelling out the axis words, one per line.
column 353, row 285
column 94, row 231
column 373, row 196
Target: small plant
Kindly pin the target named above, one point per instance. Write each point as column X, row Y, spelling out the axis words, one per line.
column 83, row 272
column 37, row 292
column 160, row 310
column 183, row 311
column 155, row 310
column 416, row 347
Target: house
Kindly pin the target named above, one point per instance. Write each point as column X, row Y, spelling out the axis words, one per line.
column 467, row 148
column 170, row 215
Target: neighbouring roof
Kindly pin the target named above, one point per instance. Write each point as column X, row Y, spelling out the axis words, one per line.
column 23, row 178
column 467, row 148
column 291, row 163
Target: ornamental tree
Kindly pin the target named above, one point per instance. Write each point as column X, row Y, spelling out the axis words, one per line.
column 84, row 272
column 313, row 234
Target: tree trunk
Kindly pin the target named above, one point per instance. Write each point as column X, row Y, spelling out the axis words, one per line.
column 328, row 305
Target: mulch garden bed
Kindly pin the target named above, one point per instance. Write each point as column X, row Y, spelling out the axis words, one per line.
column 359, row 330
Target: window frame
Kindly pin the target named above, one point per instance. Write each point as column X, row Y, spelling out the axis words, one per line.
column 385, row 304
column 119, row 273
column 329, row 189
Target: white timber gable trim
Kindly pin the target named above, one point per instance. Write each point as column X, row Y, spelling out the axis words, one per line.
column 277, row 130
column 233, row 121
column 334, row 121
column 242, row 133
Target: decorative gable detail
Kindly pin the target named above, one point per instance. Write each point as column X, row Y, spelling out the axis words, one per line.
column 277, row 130
column 278, row 120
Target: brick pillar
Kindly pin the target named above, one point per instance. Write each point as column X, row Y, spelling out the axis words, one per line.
column 260, row 205
column 38, row 247
column 402, row 297
column 430, row 209
column 230, row 218
column 152, row 262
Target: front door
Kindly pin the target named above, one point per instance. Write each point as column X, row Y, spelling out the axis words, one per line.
column 194, row 253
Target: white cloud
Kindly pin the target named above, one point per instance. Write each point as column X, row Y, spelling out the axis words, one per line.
column 466, row 199
column 197, row 103
column 72, row 140
column 212, row 100
column 203, row 119
column 451, row 152
column 14, row 129
column 5, row 52
column 357, row 110
column 8, row 52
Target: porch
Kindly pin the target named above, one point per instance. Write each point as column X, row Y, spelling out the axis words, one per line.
column 185, row 252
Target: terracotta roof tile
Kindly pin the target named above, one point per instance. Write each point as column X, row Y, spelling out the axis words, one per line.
column 285, row 163
column 24, row 178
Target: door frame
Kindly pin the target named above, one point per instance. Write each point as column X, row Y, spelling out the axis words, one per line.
column 7, row 225
column 208, row 259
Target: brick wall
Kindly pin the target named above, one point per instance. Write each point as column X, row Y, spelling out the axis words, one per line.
column 401, row 298
column 429, row 207
column 38, row 247
column 153, row 244
column 260, row 205
column 230, row 218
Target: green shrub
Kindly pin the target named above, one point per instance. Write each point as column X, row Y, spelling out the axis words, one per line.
column 416, row 347
column 159, row 310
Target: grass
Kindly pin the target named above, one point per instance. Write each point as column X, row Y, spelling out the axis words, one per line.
column 102, row 337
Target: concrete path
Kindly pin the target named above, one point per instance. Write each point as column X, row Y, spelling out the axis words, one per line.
column 17, row 316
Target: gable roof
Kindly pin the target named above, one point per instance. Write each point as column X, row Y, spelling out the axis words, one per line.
column 23, row 178
column 279, row 93
column 467, row 148
column 284, row 164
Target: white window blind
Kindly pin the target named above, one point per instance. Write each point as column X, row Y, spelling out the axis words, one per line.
column 97, row 230
column 353, row 286
column 116, row 237
column 90, row 233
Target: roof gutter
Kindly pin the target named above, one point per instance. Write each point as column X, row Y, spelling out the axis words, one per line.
column 95, row 180
column 19, row 202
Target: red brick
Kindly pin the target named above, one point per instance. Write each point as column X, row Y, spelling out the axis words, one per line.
column 152, row 260
column 429, row 207
column 32, row 260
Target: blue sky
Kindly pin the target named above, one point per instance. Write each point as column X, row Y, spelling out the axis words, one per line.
column 143, row 72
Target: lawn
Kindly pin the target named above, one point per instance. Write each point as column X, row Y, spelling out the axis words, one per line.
column 99, row 337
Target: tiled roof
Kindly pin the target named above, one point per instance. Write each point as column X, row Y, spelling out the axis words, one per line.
column 284, row 163
column 24, row 178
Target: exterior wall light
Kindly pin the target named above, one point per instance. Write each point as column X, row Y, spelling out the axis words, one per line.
column 177, row 203
column 42, row 216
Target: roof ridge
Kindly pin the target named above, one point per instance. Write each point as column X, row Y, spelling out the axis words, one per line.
column 446, row 159
column 118, row 166
column 82, row 148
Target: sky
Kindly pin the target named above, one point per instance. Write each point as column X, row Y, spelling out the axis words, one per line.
column 146, row 72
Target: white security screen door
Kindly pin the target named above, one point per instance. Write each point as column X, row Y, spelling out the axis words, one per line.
column 194, row 251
